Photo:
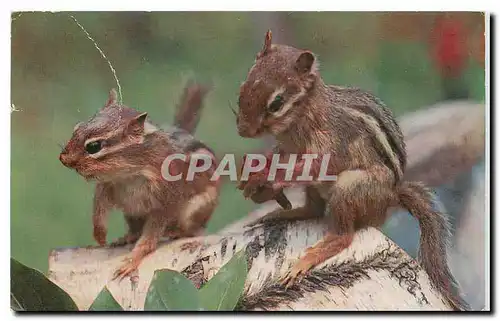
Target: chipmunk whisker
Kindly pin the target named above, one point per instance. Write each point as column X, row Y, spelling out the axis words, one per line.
column 232, row 109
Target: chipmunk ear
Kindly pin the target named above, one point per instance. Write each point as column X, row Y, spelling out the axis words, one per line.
column 306, row 63
column 112, row 98
column 267, row 44
column 136, row 125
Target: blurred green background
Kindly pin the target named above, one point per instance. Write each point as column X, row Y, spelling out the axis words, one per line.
column 59, row 79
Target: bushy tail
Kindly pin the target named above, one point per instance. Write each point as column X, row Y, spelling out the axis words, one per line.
column 434, row 240
column 188, row 111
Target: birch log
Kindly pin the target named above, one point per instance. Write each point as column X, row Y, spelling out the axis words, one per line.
column 443, row 140
column 372, row 274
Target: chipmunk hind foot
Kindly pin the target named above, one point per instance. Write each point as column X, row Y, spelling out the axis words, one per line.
column 331, row 245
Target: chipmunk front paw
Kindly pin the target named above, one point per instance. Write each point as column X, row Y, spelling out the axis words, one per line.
column 255, row 181
column 265, row 193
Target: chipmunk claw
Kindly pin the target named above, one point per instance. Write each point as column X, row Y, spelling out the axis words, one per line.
column 296, row 274
column 290, row 279
column 261, row 192
column 249, row 191
column 241, row 185
column 254, row 182
column 127, row 269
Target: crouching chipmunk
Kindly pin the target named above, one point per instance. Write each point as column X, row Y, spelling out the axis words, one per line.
column 123, row 153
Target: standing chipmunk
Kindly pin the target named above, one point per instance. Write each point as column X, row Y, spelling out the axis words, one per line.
column 123, row 152
column 284, row 95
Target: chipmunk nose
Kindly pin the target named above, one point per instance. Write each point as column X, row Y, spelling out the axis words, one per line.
column 66, row 160
column 247, row 131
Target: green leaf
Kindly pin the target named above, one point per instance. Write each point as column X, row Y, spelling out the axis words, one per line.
column 14, row 304
column 105, row 302
column 30, row 290
column 171, row 291
column 224, row 289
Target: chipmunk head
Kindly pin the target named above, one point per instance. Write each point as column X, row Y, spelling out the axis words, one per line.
column 275, row 88
column 109, row 144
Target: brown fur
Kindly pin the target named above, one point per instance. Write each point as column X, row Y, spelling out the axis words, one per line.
column 128, row 175
column 368, row 155
column 188, row 111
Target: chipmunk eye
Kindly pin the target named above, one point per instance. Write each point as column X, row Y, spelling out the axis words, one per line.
column 276, row 104
column 93, row 147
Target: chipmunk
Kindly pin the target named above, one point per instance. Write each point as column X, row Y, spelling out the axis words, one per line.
column 123, row 152
column 284, row 95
